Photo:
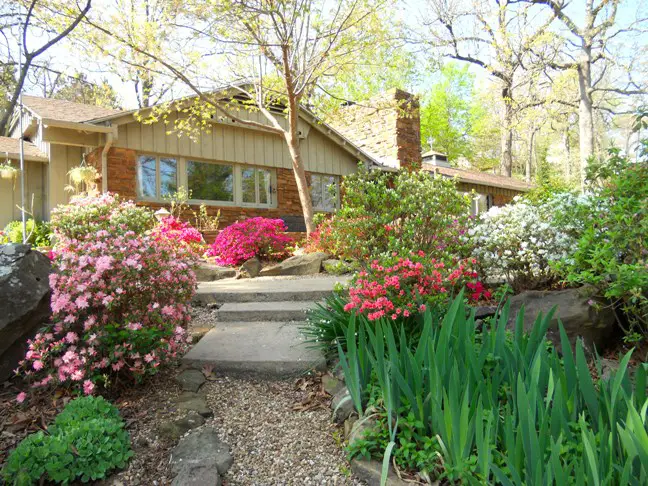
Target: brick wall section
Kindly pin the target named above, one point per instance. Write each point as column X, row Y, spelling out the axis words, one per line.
column 387, row 126
column 122, row 179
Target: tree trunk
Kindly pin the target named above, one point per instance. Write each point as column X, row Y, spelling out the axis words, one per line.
column 567, row 146
column 292, row 139
column 585, row 111
column 506, row 159
column 527, row 175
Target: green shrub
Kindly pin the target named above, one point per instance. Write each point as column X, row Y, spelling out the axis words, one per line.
column 86, row 441
column 611, row 254
column 38, row 232
column 383, row 213
column 481, row 408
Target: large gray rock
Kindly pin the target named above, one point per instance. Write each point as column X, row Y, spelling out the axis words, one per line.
column 307, row 264
column 250, row 268
column 24, row 301
column 594, row 323
column 209, row 272
column 200, row 458
column 194, row 402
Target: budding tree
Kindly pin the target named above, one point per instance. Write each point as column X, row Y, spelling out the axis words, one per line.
column 273, row 55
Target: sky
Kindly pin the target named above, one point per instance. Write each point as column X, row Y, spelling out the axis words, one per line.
column 411, row 13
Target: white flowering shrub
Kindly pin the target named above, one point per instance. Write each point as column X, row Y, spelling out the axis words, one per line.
column 523, row 242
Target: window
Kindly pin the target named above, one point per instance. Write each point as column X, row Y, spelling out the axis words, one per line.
column 156, row 176
column 324, row 192
column 210, row 182
column 256, row 186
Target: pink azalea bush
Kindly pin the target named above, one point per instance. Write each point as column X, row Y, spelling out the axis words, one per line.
column 89, row 214
column 260, row 237
column 178, row 231
column 120, row 307
column 399, row 287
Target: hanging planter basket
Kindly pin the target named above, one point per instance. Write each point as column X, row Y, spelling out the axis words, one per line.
column 8, row 173
column 83, row 173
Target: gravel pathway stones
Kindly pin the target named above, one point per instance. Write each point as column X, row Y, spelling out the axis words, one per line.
column 194, row 401
column 273, row 445
column 191, row 380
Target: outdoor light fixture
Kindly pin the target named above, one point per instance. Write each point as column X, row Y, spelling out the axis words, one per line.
column 162, row 213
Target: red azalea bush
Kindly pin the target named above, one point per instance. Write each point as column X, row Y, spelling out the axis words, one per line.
column 120, row 306
column 399, row 287
column 178, row 231
column 260, row 237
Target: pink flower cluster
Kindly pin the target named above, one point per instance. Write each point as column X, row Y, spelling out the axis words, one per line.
column 120, row 309
column 260, row 237
column 178, row 231
column 403, row 287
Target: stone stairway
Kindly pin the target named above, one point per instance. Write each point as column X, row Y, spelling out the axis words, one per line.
column 257, row 332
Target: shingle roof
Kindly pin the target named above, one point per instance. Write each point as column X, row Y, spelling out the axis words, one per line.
column 11, row 146
column 66, row 110
column 483, row 178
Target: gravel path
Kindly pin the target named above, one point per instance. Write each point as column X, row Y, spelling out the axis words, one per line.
column 271, row 443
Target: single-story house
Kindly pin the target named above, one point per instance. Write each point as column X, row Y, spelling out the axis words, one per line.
column 240, row 170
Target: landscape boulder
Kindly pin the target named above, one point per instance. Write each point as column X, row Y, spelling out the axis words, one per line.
column 209, row 272
column 577, row 311
column 250, row 268
column 24, row 301
column 306, row 264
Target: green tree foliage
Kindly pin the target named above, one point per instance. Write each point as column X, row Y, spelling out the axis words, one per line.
column 447, row 113
column 79, row 89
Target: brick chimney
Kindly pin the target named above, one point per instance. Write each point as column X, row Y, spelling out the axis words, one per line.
column 388, row 127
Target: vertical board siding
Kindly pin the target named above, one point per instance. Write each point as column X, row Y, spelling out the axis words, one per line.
column 62, row 159
column 35, row 178
column 231, row 143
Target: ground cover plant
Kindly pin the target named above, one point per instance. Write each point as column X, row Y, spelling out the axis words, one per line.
column 264, row 238
column 120, row 300
column 382, row 213
column 476, row 407
column 86, row 441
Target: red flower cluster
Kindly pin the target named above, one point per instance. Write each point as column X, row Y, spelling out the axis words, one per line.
column 261, row 237
column 411, row 284
column 179, row 232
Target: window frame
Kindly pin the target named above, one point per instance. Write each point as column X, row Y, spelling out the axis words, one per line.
column 336, row 179
column 158, row 176
column 182, row 180
column 257, row 192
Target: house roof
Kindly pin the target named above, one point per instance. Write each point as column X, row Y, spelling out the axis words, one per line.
column 66, row 111
column 482, row 178
column 11, row 147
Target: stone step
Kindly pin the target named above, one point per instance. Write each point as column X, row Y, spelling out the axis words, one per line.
column 267, row 289
column 264, row 311
column 267, row 349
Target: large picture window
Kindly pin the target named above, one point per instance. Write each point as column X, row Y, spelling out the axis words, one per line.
column 156, row 176
column 210, row 182
column 256, row 186
column 324, row 192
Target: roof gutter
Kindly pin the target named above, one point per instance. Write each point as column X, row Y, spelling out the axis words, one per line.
column 82, row 127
